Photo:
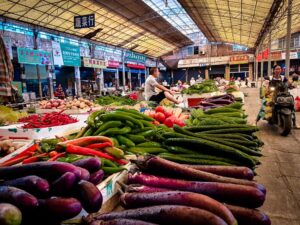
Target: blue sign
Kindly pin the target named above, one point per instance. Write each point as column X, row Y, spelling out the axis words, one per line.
column 84, row 21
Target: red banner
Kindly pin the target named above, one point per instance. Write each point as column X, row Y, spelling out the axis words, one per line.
column 113, row 64
column 135, row 66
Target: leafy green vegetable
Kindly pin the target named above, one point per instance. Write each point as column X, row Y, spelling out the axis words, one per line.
column 205, row 87
column 115, row 100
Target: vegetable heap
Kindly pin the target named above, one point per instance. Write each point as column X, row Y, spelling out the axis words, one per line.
column 230, row 114
column 79, row 103
column 115, row 100
column 49, row 192
column 191, row 195
column 8, row 116
column 204, row 87
column 215, row 102
column 47, row 120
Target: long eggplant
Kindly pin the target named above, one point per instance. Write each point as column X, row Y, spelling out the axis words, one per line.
column 85, row 174
column 18, row 197
column 159, row 165
column 92, row 164
column 63, row 184
column 230, row 193
column 166, row 215
column 97, row 177
column 121, row 222
column 239, row 172
column 48, row 170
column 90, row 196
column 32, row 184
column 247, row 216
column 136, row 200
column 58, row 208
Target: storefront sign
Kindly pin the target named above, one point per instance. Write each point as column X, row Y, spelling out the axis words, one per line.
column 293, row 55
column 57, row 55
column 131, row 56
column 276, row 55
column 30, row 56
column 7, row 43
column 239, row 59
column 84, row 21
column 135, row 66
column 70, row 54
column 150, row 63
column 200, row 62
column 113, row 64
column 94, row 63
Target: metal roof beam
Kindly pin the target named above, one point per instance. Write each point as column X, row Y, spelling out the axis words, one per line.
column 268, row 22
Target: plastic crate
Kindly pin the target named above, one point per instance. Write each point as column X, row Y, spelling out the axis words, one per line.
column 194, row 101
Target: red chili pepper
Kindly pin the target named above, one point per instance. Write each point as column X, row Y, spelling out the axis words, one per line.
column 99, row 145
column 27, row 152
column 54, row 158
column 35, row 158
column 73, row 149
column 14, row 161
column 121, row 161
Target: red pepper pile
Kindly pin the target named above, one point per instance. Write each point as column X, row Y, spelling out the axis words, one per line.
column 47, row 120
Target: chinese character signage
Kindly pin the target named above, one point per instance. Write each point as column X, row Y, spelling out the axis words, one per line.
column 30, row 56
column 293, row 55
column 84, row 21
column 70, row 54
column 94, row 63
column 131, row 56
column 57, row 55
column 239, row 59
column 113, row 64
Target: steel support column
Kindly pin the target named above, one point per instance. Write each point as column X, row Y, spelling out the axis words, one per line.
column 288, row 38
column 77, row 81
column 35, row 36
column 269, row 55
column 123, row 70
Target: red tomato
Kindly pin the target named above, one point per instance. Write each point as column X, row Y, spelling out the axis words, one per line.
column 168, row 114
column 155, row 122
column 160, row 117
column 152, row 114
column 179, row 122
column 159, row 109
column 169, row 122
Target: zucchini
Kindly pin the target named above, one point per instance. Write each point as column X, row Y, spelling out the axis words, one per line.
column 205, row 156
column 175, row 158
column 222, row 110
column 215, row 127
column 227, row 136
column 248, row 130
column 180, row 150
column 210, row 147
column 242, row 142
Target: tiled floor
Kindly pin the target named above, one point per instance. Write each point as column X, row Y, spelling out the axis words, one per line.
column 280, row 168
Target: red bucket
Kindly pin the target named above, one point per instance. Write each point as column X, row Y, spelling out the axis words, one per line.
column 194, row 101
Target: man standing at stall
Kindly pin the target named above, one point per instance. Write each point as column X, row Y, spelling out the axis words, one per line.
column 151, row 84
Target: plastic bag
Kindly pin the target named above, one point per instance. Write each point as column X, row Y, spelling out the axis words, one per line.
column 297, row 104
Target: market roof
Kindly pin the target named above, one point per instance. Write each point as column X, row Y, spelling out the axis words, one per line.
column 122, row 23
column 231, row 21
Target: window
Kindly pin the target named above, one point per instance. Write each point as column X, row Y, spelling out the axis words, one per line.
column 191, row 50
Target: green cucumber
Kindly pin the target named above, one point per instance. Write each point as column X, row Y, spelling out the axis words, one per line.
column 149, row 144
column 136, row 138
column 146, row 150
column 125, row 141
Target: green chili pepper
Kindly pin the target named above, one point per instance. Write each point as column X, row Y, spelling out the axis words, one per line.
column 107, row 125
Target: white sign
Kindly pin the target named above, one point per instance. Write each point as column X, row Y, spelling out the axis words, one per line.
column 7, row 43
column 293, row 55
column 57, row 55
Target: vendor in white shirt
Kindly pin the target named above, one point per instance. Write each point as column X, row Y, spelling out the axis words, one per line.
column 151, row 84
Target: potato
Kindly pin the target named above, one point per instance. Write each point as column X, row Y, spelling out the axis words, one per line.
column 82, row 105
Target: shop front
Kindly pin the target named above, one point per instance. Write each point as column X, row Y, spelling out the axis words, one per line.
column 111, row 74
column 135, row 65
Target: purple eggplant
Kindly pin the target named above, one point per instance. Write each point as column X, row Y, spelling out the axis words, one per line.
column 58, row 208
column 159, row 165
column 64, row 184
column 32, row 184
column 48, row 170
column 121, row 222
column 238, row 172
column 166, row 214
column 92, row 164
column 221, row 101
column 230, row 193
column 247, row 216
column 137, row 200
column 89, row 195
column 85, row 174
column 97, row 177
column 18, row 197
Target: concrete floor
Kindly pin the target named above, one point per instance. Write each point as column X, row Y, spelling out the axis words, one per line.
column 280, row 168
